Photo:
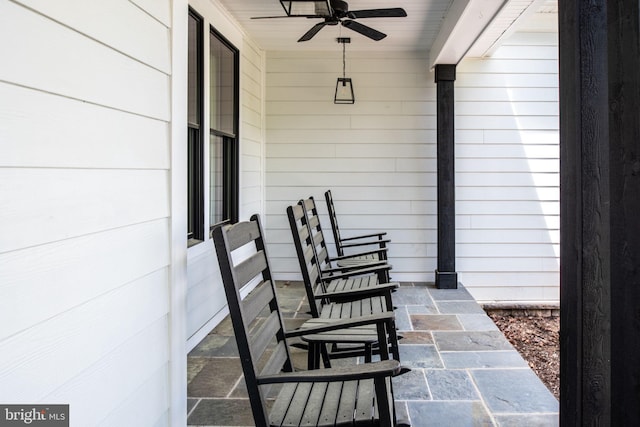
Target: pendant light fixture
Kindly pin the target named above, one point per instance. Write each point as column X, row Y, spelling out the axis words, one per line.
column 344, row 86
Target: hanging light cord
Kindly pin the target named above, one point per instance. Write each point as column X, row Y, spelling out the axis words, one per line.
column 343, row 61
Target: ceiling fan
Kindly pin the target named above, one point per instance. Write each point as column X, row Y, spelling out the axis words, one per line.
column 339, row 13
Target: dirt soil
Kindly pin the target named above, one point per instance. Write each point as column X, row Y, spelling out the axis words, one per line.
column 538, row 341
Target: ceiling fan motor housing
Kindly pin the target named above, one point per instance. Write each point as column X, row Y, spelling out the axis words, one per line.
column 340, row 8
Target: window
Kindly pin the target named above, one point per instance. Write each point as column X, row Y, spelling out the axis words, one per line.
column 220, row 112
column 195, row 152
column 223, row 129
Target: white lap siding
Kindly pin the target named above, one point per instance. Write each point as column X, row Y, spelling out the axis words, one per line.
column 85, row 213
column 378, row 156
column 507, row 163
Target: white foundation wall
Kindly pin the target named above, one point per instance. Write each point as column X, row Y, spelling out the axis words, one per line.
column 378, row 157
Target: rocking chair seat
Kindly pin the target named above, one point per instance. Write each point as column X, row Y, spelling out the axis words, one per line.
column 317, row 399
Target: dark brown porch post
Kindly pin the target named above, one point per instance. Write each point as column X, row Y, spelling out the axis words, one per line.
column 600, row 205
column 446, row 276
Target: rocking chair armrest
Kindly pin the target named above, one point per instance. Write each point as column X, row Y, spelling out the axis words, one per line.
column 367, row 236
column 342, row 272
column 379, row 289
column 380, row 243
column 349, row 256
column 374, row 319
column 385, row 368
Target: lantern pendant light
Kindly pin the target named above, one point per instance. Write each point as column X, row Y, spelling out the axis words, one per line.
column 344, row 85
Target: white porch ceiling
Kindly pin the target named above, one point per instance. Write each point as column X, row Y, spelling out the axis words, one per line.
column 416, row 32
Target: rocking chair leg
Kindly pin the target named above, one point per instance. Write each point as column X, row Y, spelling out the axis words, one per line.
column 325, row 356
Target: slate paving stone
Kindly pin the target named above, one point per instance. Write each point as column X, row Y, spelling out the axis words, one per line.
column 416, row 337
column 459, row 307
column 411, row 386
column 422, row 309
column 402, row 319
column 435, row 322
column 216, row 378
column 459, row 294
column 194, row 366
column 228, row 349
column 240, row 391
column 191, row 403
column 450, row 414
column 477, row 322
column 224, row 328
column 514, row 391
column 210, row 346
column 535, row 420
column 420, row 356
column 483, row 359
column 412, row 296
column 447, row 384
column 471, row 341
column 222, row 412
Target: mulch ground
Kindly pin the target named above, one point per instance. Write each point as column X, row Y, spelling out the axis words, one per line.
column 537, row 339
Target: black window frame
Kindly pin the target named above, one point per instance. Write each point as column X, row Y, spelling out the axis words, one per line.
column 195, row 146
column 230, row 144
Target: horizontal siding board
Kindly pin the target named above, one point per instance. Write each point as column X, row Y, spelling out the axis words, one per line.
column 77, row 67
column 333, row 180
column 134, row 381
column 138, row 34
column 82, row 138
column 488, row 236
column 506, row 109
column 506, row 250
column 508, row 179
column 512, row 151
column 159, row 9
column 505, row 80
column 333, row 165
column 546, row 194
column 508, row 122
column 352, row 136
column 465, row 165
column 150, row 398
column 523, row 38
column 507, row 222
column 76, row 271
column 543, row 66
column 76, row 202
column 350, row 194
column 502, row 94
column 84, row 334
column 532, row 52
column 498, row 207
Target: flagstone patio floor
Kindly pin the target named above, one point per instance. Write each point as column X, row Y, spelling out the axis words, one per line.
column 463, row 370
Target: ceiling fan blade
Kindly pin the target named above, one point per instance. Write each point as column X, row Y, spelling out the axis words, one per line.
column 364, row 30
column 312, row 32
column 394, row 12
